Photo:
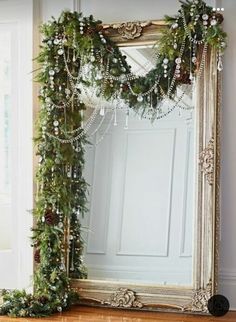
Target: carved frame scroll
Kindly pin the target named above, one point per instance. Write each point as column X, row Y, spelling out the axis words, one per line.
column 206, row 228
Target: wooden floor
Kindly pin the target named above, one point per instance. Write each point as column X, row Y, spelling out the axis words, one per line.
column 86, row 314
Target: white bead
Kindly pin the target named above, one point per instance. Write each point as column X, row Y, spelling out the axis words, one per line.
column 165, row 61
column 55, row 123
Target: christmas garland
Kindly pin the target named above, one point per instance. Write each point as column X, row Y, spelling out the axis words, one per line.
column 76, row 55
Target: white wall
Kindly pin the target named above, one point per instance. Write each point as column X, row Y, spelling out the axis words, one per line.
column 16, row 263
column 123, row 10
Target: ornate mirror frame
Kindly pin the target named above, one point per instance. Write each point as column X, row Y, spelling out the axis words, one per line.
column 206, row 228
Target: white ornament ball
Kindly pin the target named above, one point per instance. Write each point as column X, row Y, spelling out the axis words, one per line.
column 140, row 98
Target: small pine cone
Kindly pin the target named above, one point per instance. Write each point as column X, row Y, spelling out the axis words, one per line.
column 37, row 256
column 51, row 217
column 90, row 31
column 43, row 299
column 184, row 78
column 219, row 17
column 99, row 28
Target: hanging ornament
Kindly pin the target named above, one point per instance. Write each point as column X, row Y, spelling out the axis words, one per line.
column 139, row 98
column 177, row 70
column 220, row 62
column 51, row 218
column 165, row 66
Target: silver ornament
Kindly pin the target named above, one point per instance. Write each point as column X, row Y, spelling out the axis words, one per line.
column 140, row 98
column 205, row 17
column 213, row 22
column 60, row 52
column 178, row 60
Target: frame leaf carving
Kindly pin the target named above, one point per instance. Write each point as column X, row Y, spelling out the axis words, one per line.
column 130, row 30
column 125, row 298
column 206, row 160
column 200, row 300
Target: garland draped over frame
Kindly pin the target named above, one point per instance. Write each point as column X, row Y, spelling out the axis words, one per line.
column 76, row 56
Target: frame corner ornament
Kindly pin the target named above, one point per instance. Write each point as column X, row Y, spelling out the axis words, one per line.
column 206, row 160
column 200, row 300
column 130, row 30
column 123, row 298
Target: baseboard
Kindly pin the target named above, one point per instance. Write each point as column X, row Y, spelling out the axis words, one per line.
column 227, row 286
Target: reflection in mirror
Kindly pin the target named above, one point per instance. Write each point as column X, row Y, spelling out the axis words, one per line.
column 141, row 197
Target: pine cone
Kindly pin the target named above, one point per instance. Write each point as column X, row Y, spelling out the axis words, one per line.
column 37, row 256
column 184, row 78
column 90, row 31
column 51, row 217
column 219, row 17
column 43, row 299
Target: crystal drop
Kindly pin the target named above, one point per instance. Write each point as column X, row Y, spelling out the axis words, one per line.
column 175, row 46
column 102, row 111
column 55, row 123
column 194, row 60
column 92, row 59
column 115, row 60
column 56, row 41
column 140, row 98
column 67, row 91
column 165, row 61
column 220, row 65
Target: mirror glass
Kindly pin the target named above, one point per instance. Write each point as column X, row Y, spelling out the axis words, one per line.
column 139, row 227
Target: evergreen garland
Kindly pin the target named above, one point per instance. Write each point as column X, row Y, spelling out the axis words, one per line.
column 62, row 190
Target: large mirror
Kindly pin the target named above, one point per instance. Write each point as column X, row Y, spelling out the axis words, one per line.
column 151, row 230
column 141, row 175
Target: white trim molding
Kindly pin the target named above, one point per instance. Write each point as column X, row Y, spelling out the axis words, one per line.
column 227, row 283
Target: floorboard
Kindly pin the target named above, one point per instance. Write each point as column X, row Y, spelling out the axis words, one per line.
column 87, row 314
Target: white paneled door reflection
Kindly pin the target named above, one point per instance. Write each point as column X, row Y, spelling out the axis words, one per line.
column 141, row 201
column 8, row 74
column 5, row 140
